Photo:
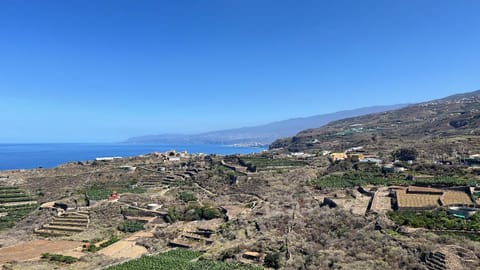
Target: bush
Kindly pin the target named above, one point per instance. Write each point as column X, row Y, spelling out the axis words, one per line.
column 438, row 220
column 130, row 226
column 405, row 154
column 172, row 215
column 209, row 212
column 93, row 248
column 187, row 196
column 110, row 241
column 272, row 260
column 193, row 212
column 197, row 212
column 59, row 258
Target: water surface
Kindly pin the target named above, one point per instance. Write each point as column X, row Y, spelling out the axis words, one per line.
column 27, row 156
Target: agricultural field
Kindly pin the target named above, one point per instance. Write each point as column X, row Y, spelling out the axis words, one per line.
column 357, row 178
column 224, row 170
column 15, row 204
column 103, row 191
column 263, row 162
column 435, row 220
column 34, row 249
column 348, row 180
column 179, row 259
column 12, row 194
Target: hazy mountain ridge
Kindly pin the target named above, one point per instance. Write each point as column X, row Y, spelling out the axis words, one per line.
column 426, row 126
column 262, row 134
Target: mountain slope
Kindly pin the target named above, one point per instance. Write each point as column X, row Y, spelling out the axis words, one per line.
column 448, row 126
column 263, row 134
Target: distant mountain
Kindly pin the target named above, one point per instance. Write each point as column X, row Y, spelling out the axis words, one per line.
column 444, row 127
column 259, row 135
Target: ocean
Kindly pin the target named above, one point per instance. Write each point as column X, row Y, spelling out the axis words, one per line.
column 28, row 156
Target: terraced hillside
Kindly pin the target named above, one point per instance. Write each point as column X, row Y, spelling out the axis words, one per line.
column 448, row 126
column 15, row 204
column 179, row 259
column 66, row 224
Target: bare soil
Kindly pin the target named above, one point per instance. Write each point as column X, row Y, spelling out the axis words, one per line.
column 33, row 250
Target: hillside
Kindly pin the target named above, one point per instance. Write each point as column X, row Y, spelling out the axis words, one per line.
column 259, row 135
column 448, row 126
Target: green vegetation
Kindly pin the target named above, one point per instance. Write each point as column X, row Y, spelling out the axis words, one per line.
column 14, row 212
column 187, row 196
column 94, row 248
column 254, row 163
column 59, row 258
column 209, row 212
column 13, row 194
column 446, row 181
column 359, row 178
column 392, row 232
column 272, row 260
column 405, row 154
column 103, row 191
column 225, row 170
column 461, row 235
column 198, row 212
column 130, row 226
column 172, row 215
column 179, row 259
column 113, row 239
column 192, row 212
column 351, row 179
column 435, row 220
column 231, row 174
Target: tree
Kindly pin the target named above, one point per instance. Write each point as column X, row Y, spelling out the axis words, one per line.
column 209, row 212
column 187, row 196
column 272, row 260
column 172, row 215
column 405, row 154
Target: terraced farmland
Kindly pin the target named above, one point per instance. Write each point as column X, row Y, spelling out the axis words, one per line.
column 15, row 204
column 179, row 259
column 103, row 191
column 67, row 224
column 255, row 163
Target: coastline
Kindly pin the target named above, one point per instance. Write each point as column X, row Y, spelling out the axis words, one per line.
column 16, row 156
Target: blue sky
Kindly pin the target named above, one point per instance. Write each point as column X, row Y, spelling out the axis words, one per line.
column 100, row 71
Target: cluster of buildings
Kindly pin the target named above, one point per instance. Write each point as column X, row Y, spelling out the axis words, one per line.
column 355, row 154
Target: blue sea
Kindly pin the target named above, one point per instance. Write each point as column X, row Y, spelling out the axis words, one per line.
column 28, row 156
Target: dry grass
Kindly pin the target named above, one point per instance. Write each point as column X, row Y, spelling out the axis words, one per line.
column 455, row 197
column 408, row 200
column 33, row 250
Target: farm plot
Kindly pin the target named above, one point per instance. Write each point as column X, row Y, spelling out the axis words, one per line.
column 34, row 249
column 15, row 204
column 451, row 197
column 256, row 163
column 127, row 248
column 179, row 259
column 103, row 191
column 66, row 225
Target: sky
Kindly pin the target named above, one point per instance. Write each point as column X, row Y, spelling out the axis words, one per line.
column 103, row 71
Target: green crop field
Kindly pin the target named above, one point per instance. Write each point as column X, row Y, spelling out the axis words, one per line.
column 263, row 162
column 359, row 178
column 14, row 212
column 103, row 191
column 179, row 259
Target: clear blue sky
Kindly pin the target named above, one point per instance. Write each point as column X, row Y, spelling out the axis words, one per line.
column 99, row 71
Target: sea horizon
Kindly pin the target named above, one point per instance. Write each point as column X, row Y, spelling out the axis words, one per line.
column 15, row 156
